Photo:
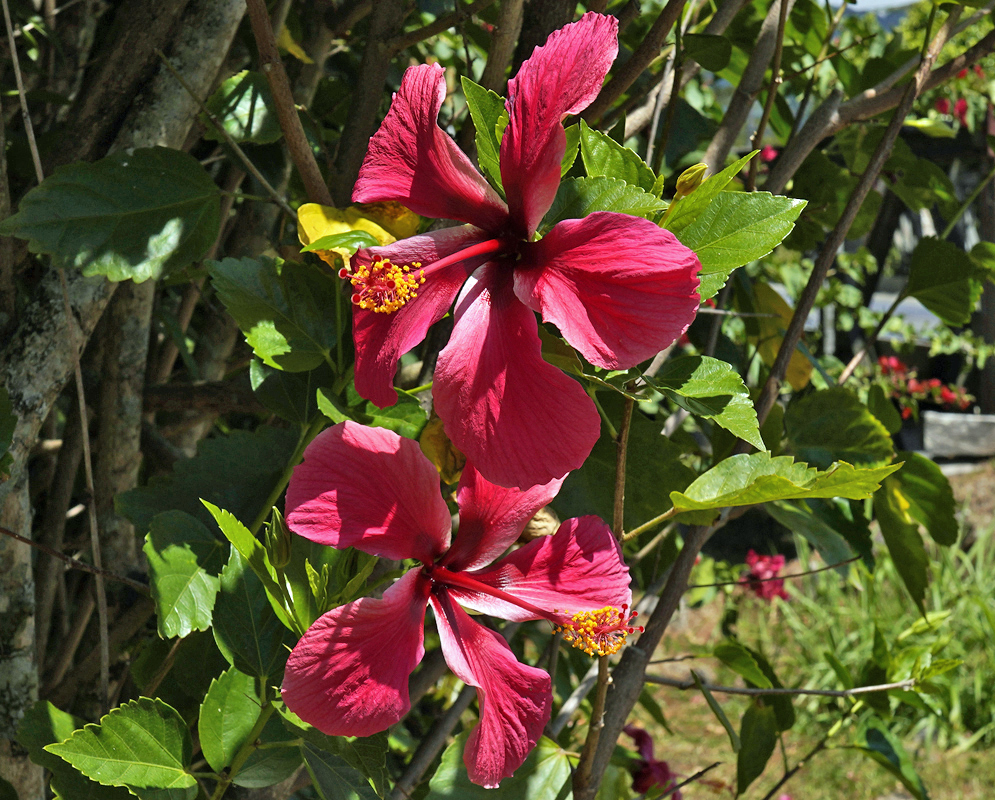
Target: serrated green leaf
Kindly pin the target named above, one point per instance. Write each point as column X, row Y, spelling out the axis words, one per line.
column 578, row 197
column 881, row 745
column 735, row 229
column 944, row 279
column 901, row 535
column 711, row 388
column 930, row 497
column 720, row 715
column 741, row 661
column 833, row 425
column 604, row 157
column 544, row 775
column 237, row 472
column 244, row 106
column 748, row 479
column 689, row 208
column 246, row 628
column 711, row 51
column 333, row 777
column 184, row 562
column 281, row 307
column 133, row 215
column 227, row 716
column 486, row 109
column 142, row 744
column 758, row 732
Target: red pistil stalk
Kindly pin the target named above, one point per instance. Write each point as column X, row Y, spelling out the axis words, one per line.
column 460, row 580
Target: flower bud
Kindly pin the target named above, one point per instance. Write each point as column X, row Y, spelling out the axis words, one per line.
column 690, row 180
column 277, row 541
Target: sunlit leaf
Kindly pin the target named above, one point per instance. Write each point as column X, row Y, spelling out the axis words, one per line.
column 604, row 157
column 578, row 197
column 227, row 716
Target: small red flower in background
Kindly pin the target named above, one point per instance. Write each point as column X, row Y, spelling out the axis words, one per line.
column 979, row 71
column 960, row 110
column 943, row 105
column 768, row 153
column 962, row 73
column 650, row 773
column 892, row 365
column 763, row 572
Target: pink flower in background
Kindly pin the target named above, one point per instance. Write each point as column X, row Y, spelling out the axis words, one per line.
column 943, row 105
column 768, row 153
column 763, row 572
column 370, row 489
column 960, row 111
column 618, row 288
column 650, row 774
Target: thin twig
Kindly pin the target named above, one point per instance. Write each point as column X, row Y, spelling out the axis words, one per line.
column 75, row 348
column 80, row 565
column 749, row 691
column 775, row 83
column 582, row 775
column 438, row 26
column 286, row 110
column 819, row 747
column 743, row 581
column 678, row 786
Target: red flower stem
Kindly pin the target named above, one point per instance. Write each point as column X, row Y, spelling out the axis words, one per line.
column 460, row 580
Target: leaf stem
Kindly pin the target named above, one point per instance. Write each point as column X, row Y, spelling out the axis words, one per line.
column 244, row 752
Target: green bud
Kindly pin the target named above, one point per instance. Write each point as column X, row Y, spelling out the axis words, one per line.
column 278, row 541
column 690, row 180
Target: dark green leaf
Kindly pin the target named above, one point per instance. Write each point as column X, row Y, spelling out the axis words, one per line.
column 237, row 472
column 136, row 214
column 735, row 229
column 276, row 762
column 688, row 209
column 712, row 52
column 881, row 745
column 604, row 157
column 833, row 425
column 292, row 395
column 711, row 388
column 720, row 715
column 7, row 792
column 944, row 279
column 142, row 744
column 486, row 110
column 545, row 775
column 741, row 661
column 333, row 777
column 840, row 669
column 244, row 106
column 758, row 733
column 350, row 240
column 901, row 535
column 573, row 145
column 247, row 630
column 282, row 308
column 798, row 518
column 784, row 712
column 930, row 497
column 227, row 716
column 884, row 409
column 578, row 197
column 184, row 561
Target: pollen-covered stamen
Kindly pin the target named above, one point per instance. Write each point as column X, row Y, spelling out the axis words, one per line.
column 600, row 632
column 382, row 286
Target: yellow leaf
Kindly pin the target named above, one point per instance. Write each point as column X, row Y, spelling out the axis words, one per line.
column 286, row 42
column 394, row 218
column 315, row 221
column 768, row 301
column 440, row 451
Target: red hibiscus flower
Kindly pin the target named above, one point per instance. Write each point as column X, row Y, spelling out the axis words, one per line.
column 763, row 580
column 943, row 105
column 768, row 153
column 960, row 111
column 619, row 288
column 650, row 774
column 348, row 676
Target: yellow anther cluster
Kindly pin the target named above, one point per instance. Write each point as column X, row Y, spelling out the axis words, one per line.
column 602, row 631
column 384, row 287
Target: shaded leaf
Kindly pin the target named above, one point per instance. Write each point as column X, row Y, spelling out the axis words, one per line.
column 883, row 409
column 767, row 332
column 604, row 157
column 712, row 52
column 292, row 395
column 881, row 745
column 833, row 425
column 944, row 279
column 758, row 733
column 227, row 716
column 741, row 661
column 134, row 214
column 901, row 535
column 333, row 777
column 267, row 766
column 244, row 106
column 578, row 197
column 720, row 715
column 798, row 518
column 929, row 496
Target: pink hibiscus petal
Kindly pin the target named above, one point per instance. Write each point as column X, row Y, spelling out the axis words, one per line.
column 518, row 419
column 514, row 699
column 348, row 675
column 562, row 77
column 381, row 339
column 578, row 568
column 491, row 518
column 370, row 489
column 619, row 288
column 411, row 160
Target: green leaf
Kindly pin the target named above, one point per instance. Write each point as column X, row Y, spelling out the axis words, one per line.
column 349, row 240
column 604, row 157
column 688, row 209
column 142, row 744
column 720, row 715
column 136, row 214
column 930, row 497
column 281, row 307
column 486, row 110
column 237, row 472
column 8, row 422
column 748, row 479
column 184, row 561
column 44, row 724
column 833, row 425
column 244, row 106
column 944, row 279
column 882, row 408
column 333, row 777
column 735, row 229
column 573, row 145
column 405, row 417
column 292, row 395
column 267, row 766
column 247, row 630
column 784, row 712
column 881, row 745
column 227, row 716
column 711, row 388
column 712, row 52
column 578, row 197
column 901, row 535
column 741, row 661
column 798, row 518
column 544, row 775
column 758, row 732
